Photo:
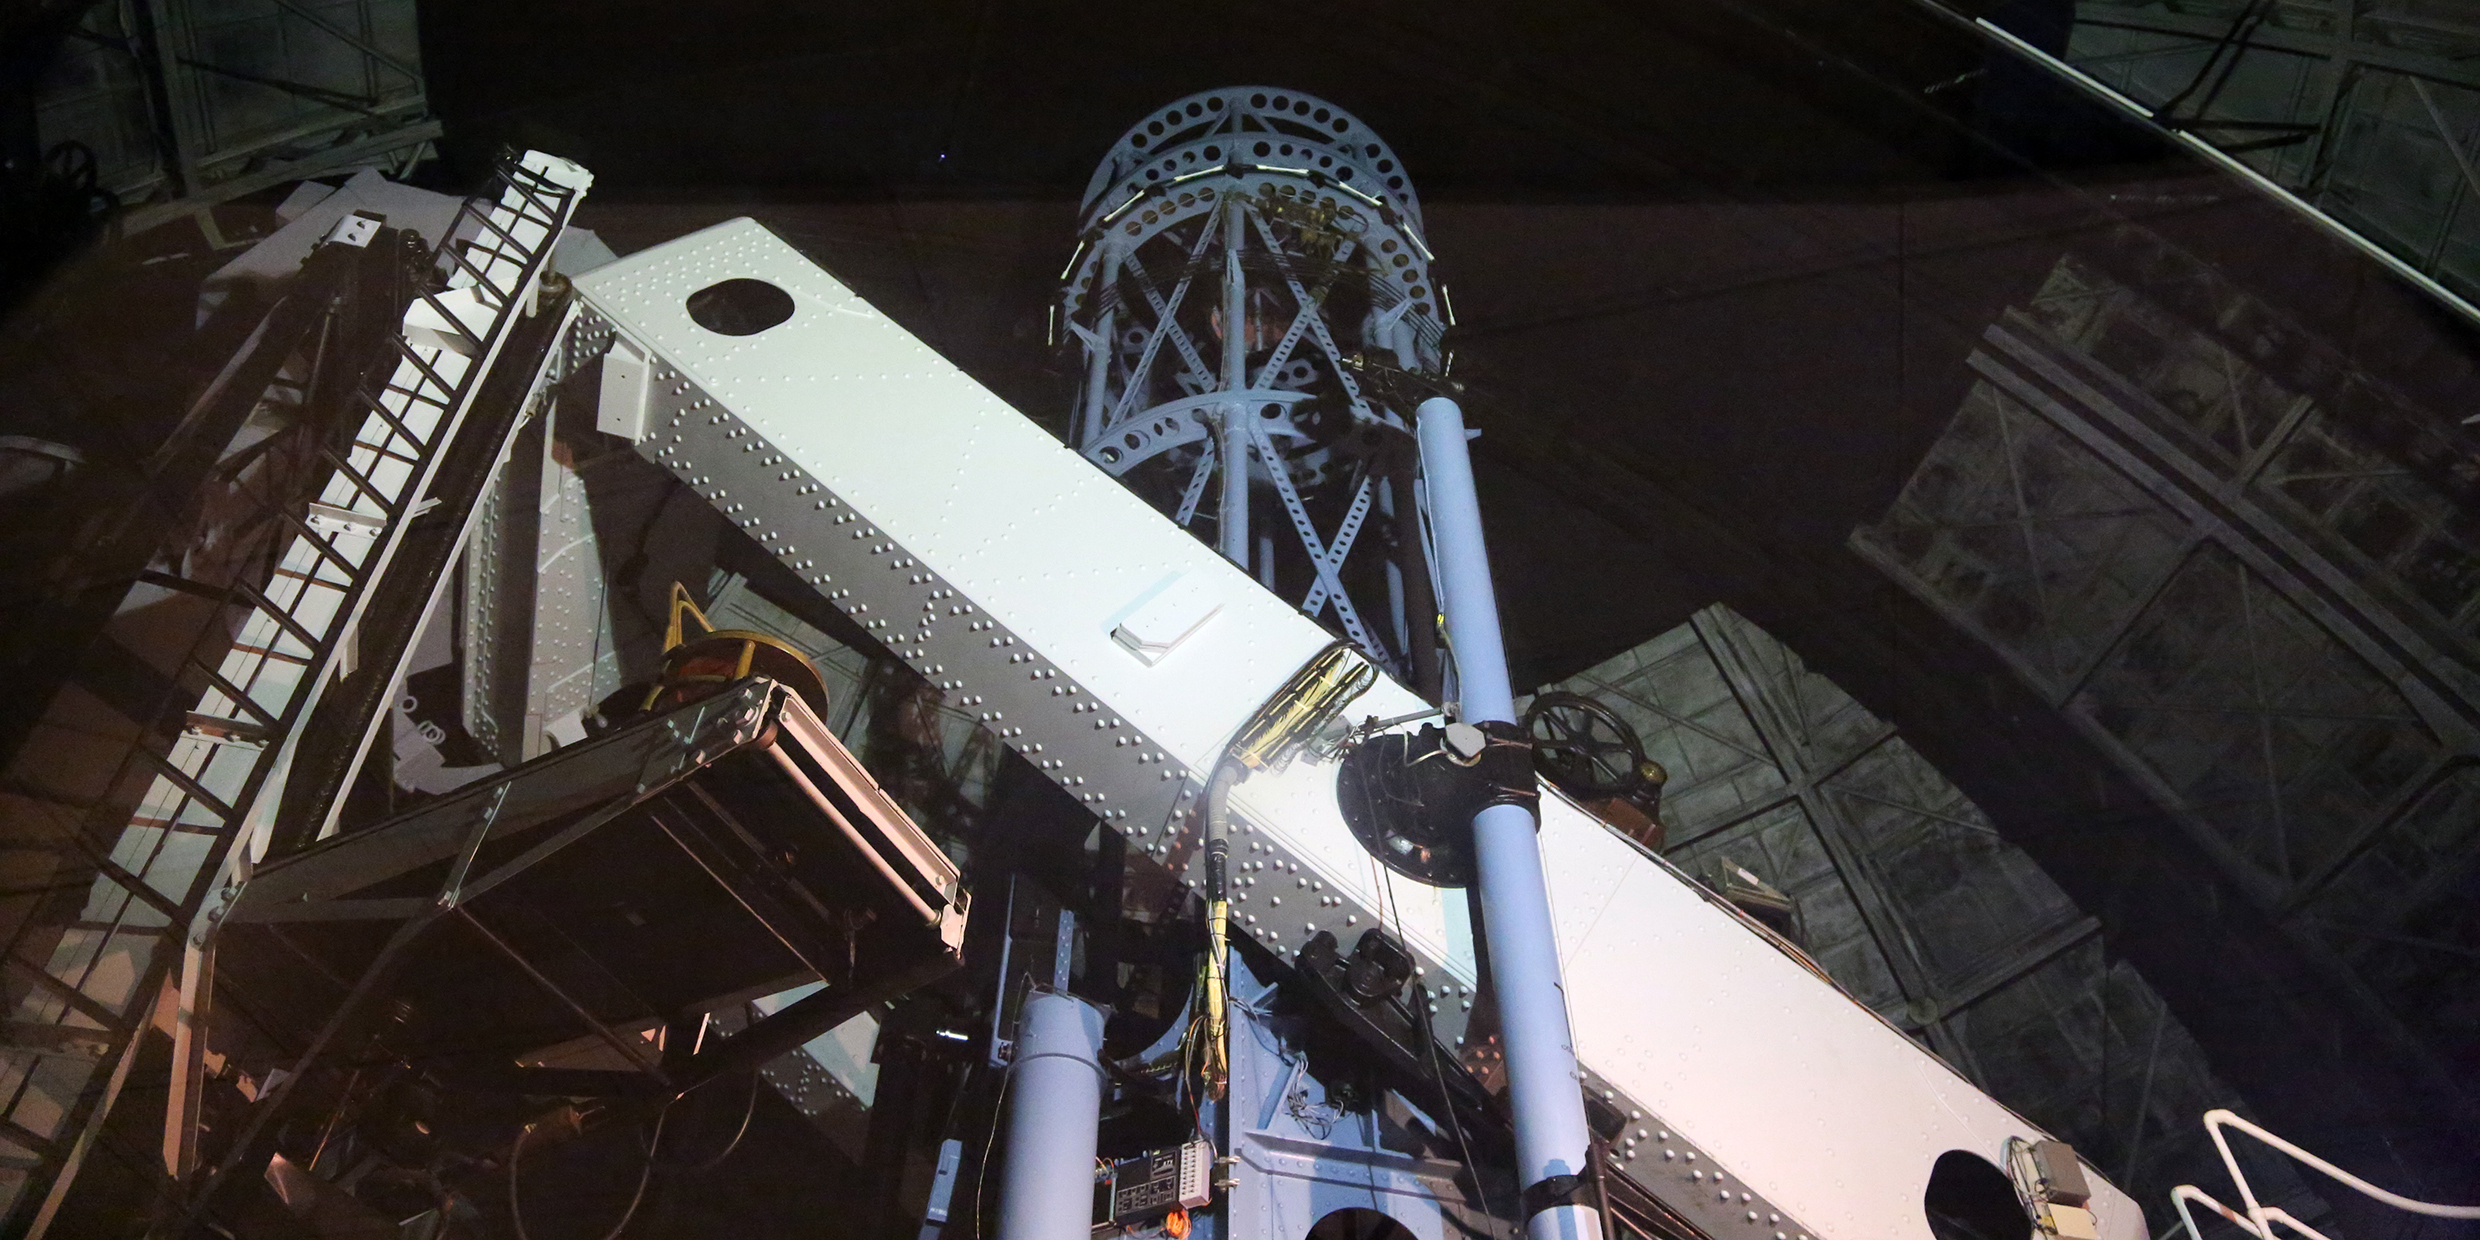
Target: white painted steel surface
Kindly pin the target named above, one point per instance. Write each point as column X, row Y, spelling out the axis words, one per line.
column 999, row 563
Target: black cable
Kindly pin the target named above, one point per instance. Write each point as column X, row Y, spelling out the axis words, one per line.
column 981, row 1174
column 1463, row 1145
column 1197, row 1101
column 1438, row 1071
column 748, row 1112
column 645, row 1175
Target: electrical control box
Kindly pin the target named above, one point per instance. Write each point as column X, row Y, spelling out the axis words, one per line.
column 2070, row 1223
column 1152, row 1184
column 2050, row 1176
column 2061, row 1175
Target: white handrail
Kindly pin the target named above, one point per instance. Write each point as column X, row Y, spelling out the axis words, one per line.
column 2184, row 1193
column 2259, row 1219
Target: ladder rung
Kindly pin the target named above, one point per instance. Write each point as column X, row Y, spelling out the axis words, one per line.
column 72, row 1041
column 63, row 991
column 174, row 581
column 139, row 887
column 484, row 219
column 185, row 781
column 174, row 824
column 374, row 405
column 409, row 393
column 19, row 1135
column 321, row 576
column 269, row 652
column 481, row 277
column 113, row 872
column 389, row 451
column 237, row 696
column 336, row 461
column 226, row 731
column 284, row 620
column 327, row 550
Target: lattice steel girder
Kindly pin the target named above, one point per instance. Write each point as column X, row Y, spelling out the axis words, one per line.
column 2408, row 269
column 1306, row 230
column 2314, row 44
column 1757, row 1097
column 719, row 787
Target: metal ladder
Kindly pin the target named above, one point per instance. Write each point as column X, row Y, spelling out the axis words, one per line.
column 87, row 968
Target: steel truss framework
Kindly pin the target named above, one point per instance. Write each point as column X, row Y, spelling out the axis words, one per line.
column 175, row 103
column 1251, row 286
column 653, row 775
column 113, row 879
column 2261, row 615
column 2368, row 111
column 537, row 645
column 1910, row 898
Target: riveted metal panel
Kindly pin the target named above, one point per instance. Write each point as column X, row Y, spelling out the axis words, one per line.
column 928, row 510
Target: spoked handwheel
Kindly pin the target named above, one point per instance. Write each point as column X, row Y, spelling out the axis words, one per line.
column 1583, row 746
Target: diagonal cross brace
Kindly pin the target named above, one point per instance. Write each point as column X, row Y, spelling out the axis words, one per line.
column 1317, row 323
column 1196, row 486
column 1307, row 529
column 1309, row 308
column 1165, row 325
column 1345, row 535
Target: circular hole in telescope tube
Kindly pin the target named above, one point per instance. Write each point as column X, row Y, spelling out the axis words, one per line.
column 739, row 307
column 1358, row 1223
column 1970, row 1199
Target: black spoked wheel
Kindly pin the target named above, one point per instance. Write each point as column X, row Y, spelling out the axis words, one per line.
column 1583, row 746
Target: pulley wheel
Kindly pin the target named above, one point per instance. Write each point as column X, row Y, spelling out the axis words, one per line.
column 1584, row 747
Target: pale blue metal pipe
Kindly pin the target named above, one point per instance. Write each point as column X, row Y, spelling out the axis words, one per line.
column 1542, row 1082
column 1054, row 1113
